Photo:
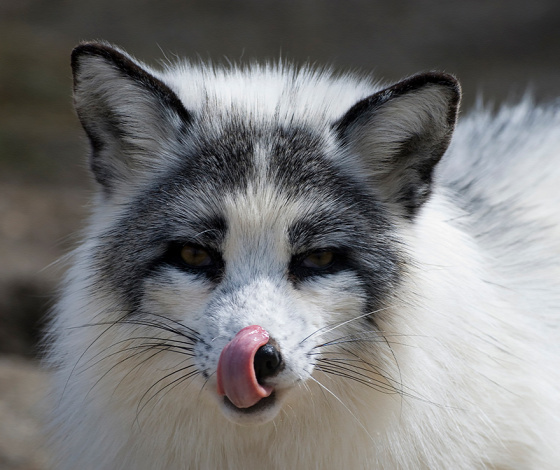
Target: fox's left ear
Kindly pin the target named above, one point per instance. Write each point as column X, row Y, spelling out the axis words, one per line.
column 400, row 133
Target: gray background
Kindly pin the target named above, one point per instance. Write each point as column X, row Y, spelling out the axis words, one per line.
column 497, row 49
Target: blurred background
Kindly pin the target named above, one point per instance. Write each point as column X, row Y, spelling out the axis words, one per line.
column 498, row 49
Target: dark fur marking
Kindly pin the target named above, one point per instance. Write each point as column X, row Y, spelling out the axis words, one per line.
column 172, row 257
column 158, row 217
column 354, row 217
column 218, row 166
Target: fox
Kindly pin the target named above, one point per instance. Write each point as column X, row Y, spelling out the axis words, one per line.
column 289, row 267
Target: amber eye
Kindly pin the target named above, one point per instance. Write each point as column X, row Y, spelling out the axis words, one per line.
column 195, row 256
column 319, row 259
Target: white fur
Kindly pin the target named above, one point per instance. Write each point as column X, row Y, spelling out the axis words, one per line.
column 472, row 333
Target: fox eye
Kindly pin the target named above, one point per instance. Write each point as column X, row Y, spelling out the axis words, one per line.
column 195, row 256
column 318, row 260
column 321, row 262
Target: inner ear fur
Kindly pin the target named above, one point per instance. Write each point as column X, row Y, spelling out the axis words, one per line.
column 400, row 133
column 128, row 114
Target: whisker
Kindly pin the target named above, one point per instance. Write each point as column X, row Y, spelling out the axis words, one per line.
column 135, row 338
column 137, row 366
column 118, row 364
column 328, row 328
column 111, row 324
column 175, row 383
column 342, row 364
column 344, row 405
column 368, row 382
column 379, row 370
column 139, row 409
column 145, row 322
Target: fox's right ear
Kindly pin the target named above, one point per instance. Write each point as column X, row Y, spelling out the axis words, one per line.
column 131, row 117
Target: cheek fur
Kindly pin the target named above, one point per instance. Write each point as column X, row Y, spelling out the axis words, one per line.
column 338, row 297
column 176, row 295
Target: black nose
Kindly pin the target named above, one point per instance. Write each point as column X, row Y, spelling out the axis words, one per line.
column 267, row 362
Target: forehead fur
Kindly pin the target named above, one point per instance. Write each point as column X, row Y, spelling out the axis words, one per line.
column 279, row 93
column 271, row 171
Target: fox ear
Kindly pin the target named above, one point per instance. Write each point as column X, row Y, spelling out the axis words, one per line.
column 400, row 133
column 131, row 117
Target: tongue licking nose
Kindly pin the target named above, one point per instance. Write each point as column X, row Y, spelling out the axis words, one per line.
column 237, row 376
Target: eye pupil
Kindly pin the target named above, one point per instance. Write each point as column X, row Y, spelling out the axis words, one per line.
column 195, row 256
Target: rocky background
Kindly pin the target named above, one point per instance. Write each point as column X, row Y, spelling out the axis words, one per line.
column 498, row 49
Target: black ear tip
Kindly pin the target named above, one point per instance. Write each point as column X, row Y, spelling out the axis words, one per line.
column 88, row 48
column 442, row 78
column 435, row 78
column 81, row 50
column 93, row 48
column 451, row 82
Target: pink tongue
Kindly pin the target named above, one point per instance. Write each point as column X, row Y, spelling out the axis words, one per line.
column 236, row 371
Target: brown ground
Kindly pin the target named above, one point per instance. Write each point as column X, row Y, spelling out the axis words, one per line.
column 34, row 223
column 22, row 389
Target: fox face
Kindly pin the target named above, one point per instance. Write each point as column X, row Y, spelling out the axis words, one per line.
column 250, row 254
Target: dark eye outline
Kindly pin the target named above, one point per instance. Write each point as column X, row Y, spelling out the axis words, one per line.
column 299, row 270
column 213, row 270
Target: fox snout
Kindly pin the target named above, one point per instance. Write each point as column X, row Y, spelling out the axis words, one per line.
column 244, row 365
